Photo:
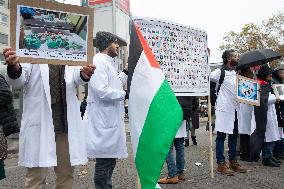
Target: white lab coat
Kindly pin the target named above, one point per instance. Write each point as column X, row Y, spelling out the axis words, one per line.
column 182, row 130
column 37, row 147
column 245, row 116
column 226, row 103
column 272, row 132
column 105, row 111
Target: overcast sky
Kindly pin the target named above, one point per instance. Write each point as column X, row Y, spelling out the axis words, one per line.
column 217, row 17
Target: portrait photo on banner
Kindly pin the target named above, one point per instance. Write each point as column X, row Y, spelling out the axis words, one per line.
column 279, row 91
column 51, row 33
column 247, row 91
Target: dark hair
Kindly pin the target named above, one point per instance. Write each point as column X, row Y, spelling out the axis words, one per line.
column 263, row 72
column 226, row 54
column 276, row 76
column 246, row 72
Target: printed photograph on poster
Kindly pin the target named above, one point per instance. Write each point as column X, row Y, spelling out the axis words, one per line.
column 279, row 91
column 47, row 35
column 247, row 91
column 182, row 54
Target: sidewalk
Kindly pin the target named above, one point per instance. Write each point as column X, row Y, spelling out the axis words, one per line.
column 197, row 177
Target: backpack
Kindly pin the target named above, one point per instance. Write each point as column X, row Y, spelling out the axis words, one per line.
column 213, row 91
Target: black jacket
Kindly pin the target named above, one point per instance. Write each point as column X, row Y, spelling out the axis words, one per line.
column 260, row 113
column 8, row 119
column 190, row 108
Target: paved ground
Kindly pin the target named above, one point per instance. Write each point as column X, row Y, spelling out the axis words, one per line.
column 196, row 176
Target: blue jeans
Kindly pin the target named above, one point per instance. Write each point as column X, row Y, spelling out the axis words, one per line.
column 103, row 172
column 176, row 167
column 232, row 144
column 267, row 150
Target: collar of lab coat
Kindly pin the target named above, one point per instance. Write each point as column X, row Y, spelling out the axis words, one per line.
column 110, row 59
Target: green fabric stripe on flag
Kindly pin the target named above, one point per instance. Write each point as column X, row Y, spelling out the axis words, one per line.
column 162, row 123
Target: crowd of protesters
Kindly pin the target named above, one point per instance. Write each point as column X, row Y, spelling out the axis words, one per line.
column 51, row 135
column 260, row 128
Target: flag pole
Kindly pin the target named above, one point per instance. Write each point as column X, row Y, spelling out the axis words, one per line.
column 210, row 137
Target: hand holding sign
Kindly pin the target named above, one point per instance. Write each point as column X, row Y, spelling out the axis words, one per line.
column 11, row 58
column 87, row 71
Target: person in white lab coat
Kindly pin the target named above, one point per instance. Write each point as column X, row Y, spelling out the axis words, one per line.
column 272, row 132
column 278, row 150
column 52, row 134
column 245, row 115
column 225, row 110
column 105, row 111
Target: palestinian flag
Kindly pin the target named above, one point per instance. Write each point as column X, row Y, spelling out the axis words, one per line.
column 154, row 112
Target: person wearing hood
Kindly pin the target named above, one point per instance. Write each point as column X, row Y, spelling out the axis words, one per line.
column 272, row 133
column 278, row 150
column 105, row 111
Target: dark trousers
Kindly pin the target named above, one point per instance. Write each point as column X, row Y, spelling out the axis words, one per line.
column 103, row 172
column 278, row 148
column 267, row 150
column 245, row 147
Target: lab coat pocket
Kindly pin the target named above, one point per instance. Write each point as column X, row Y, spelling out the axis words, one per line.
column 109, row 117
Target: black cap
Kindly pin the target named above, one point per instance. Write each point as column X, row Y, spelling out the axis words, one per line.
column 104, row 39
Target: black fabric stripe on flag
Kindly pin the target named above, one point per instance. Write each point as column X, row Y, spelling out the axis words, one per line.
column 135, row 50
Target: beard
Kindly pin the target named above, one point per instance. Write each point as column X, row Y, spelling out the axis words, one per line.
column 234, row 63
column 112, row 53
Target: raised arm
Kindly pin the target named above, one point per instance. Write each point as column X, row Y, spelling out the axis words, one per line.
column 17, row 74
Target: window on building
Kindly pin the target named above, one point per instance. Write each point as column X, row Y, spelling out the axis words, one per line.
column 2, row 3
column 4, row 39
column 3, row 19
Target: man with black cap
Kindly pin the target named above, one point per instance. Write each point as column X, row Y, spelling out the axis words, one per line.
column 105, row 111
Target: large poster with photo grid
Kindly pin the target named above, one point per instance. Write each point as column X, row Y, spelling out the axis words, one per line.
column 182, row 53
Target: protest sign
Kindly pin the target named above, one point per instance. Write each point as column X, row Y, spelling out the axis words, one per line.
column 279, row 91
column 247, row 91
column 182, row 54
column 51, row 33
